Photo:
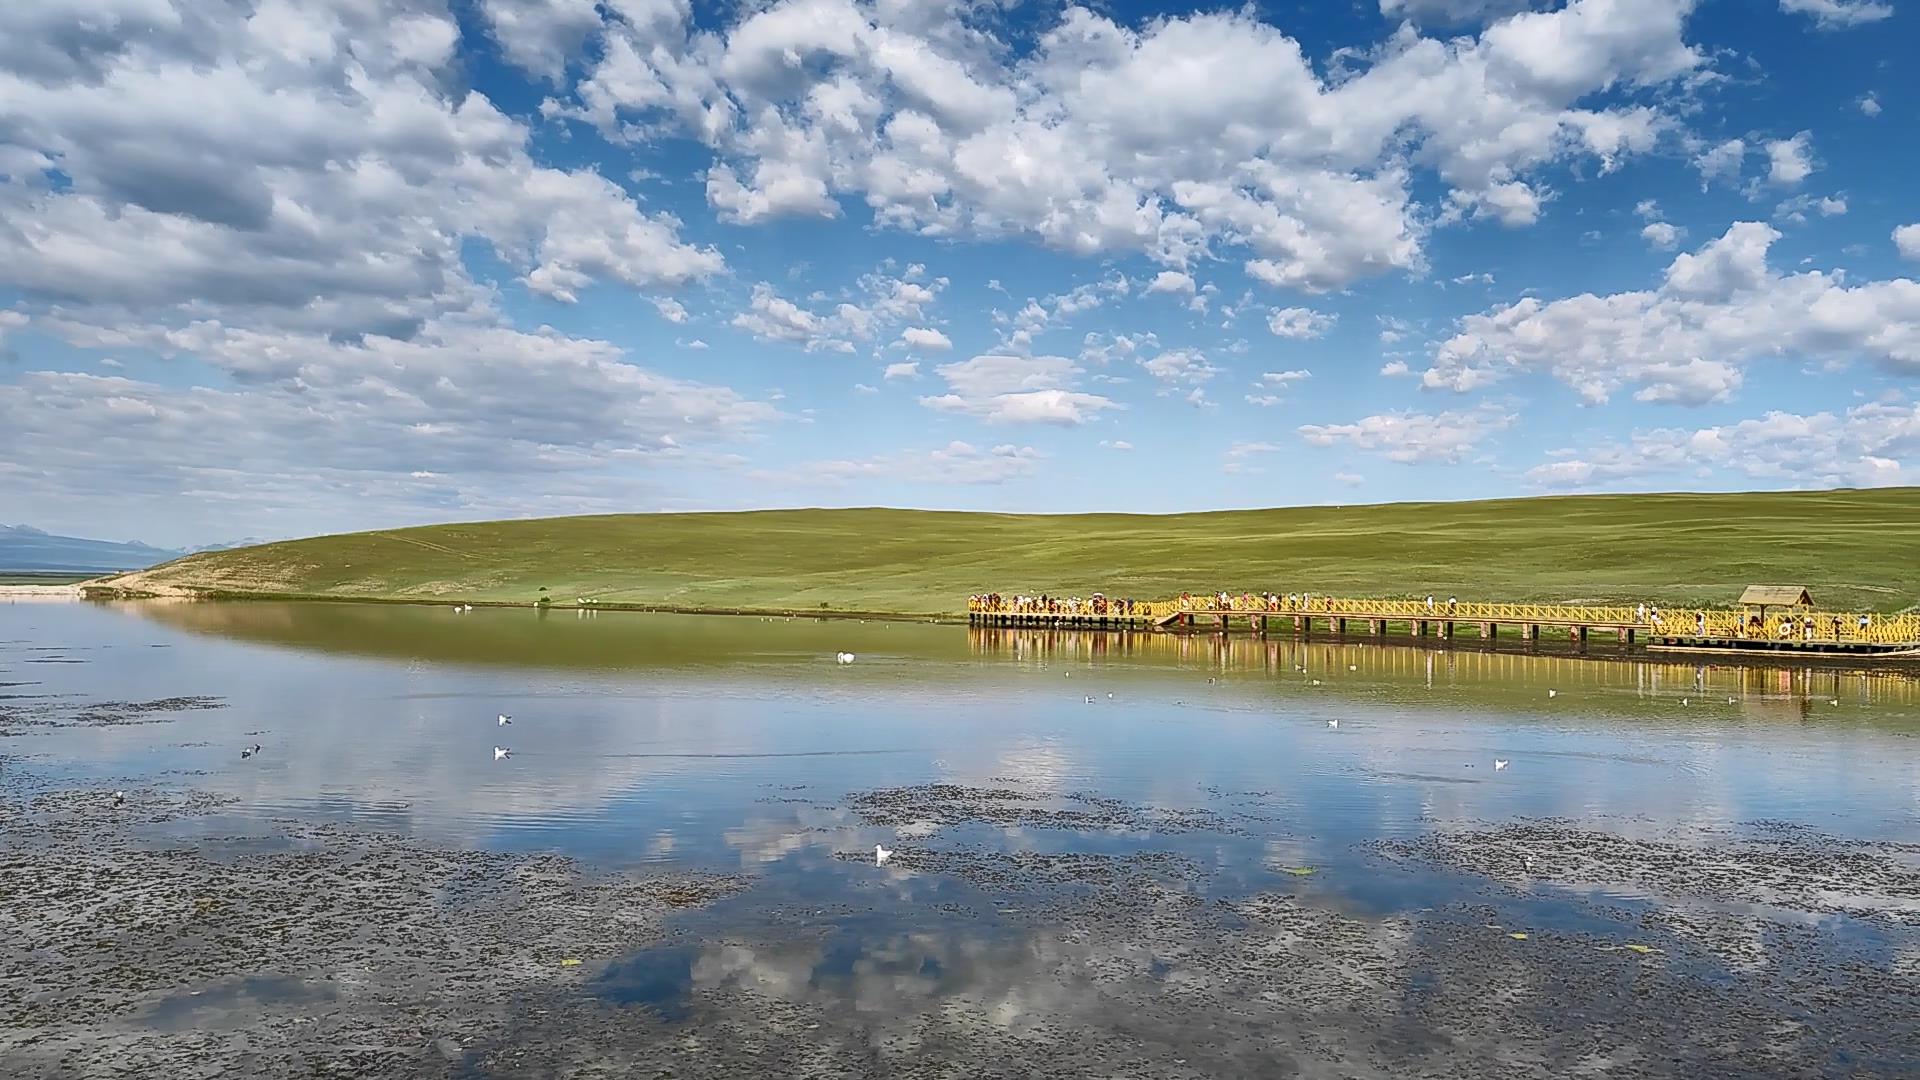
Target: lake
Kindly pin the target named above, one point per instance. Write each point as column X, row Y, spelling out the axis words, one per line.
column 1111, row 854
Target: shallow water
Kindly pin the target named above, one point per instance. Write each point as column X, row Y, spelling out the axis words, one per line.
column 736, row 744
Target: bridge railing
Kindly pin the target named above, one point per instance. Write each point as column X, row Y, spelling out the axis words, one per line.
column 1679, row 622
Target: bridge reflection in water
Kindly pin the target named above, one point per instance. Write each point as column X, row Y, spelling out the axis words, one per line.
column 1759, row 688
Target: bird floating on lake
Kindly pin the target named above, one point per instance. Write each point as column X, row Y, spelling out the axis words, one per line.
column 1685, row 701
column 1089, row 699
column 1316, row 682
column 881, row 855
column 843, row 658
column 1833, row 701
column 1333, row 723
column 1730, row 699
column 1499, row 763
column 500, row 752
column 504, row 720
column 119, row 798
column 1527, row 861
column 1553, row 693
column 249, row 751
column 466, row 607
column 1353, row 667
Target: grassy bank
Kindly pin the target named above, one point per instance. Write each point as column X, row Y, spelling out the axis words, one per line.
column 1854, row 548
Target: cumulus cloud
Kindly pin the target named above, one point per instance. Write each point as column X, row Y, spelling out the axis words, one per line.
column 309, row 167
column 1189, row 366
column 909, row 369
column 1662, row 235
column 1300, row 323
column 1906, row 240
column 1789, row 161
column 1839, row 14
column 1684, row 341
column 1869, row 104
column 1411, row 437
column 1004, row 389
column 925, row 339
column 1866, row 446
column 1171, row 281
column 880, row 303
column 955, row 463
column 1096, row 138
column 1454, row 12
column 1722, row 161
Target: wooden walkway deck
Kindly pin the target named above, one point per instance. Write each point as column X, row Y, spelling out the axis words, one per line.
column 1691, row 629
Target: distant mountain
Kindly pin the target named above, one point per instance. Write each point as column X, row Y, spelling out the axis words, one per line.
column 23, row 547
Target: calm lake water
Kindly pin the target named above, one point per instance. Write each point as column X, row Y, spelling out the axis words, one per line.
column 735, row 744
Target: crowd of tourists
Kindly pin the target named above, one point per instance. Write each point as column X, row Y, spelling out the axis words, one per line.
column 1043, row 604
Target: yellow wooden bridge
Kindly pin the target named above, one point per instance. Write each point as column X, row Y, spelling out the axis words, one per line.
column 1798, row 629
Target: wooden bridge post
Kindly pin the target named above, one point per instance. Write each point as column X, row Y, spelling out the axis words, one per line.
column 1626, row 636
column 1488, row 630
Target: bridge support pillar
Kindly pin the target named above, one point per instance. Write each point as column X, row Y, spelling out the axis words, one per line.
column 1580, row 634
column 1626, row 636
column 1420, row 628
column 1446, row 630
column 1377, row 627
column 1530, row 631
column 1340, row 627
column 1300, row 625
column 1487, row 630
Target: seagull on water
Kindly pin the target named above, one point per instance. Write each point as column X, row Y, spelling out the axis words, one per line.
column 500, row 752
column 843, row 658
column 1833, row 701
column 1333, row 723
column 1730, row 700
column 466, row 607
column 1353, row 667
column 881, row 855
column 1527, row 861
column 1685, row 701
column 1499, row 763
column 504, row 720
column 1553, row 693
column 1089, row 699
column 119, row 798
column 249, row 751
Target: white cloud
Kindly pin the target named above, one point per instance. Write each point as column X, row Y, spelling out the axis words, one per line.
column 1412, row 437
column 886, row 302
column 541, row 35
column 515, row 423
column 1870, row 104
column 1721, row 162
column 1790, row 161
column 1447, row 12
column 1350, row 479
column 1839, row 14
column 955, row 463
column 1722, row 303
column 311, row 167
column 1094, row 138
column 1239, row 457
column 1906, row 239
column 1116, row 444
column 1171, row 281
column 1004, row 389
column 670, row 309
column 1798, row 207
column 1662, row 235
column 1180, row 366
column 1867, row 446
column 925, row 339
column 1300, row 323
column 909, row 369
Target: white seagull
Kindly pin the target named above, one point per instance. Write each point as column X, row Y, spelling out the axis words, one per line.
column 249, row 751
column 1499, row 763
column 504, row 720
column 500, row 752
column 1685, row 701
column 843, row 658
column 1553, row 693
column 119, row 798
column 1333, row 723
column 466, row 607
column 1353, row 667
column 881, row 855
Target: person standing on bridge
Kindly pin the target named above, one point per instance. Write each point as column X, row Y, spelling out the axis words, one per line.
column 1700, row 624
column 1640, row 612
column 1429, row 603
column 1453, row 604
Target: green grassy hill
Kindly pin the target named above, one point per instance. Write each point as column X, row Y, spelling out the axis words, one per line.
column 1854, row 548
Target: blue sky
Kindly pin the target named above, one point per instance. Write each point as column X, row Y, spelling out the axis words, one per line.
column 269, row 269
